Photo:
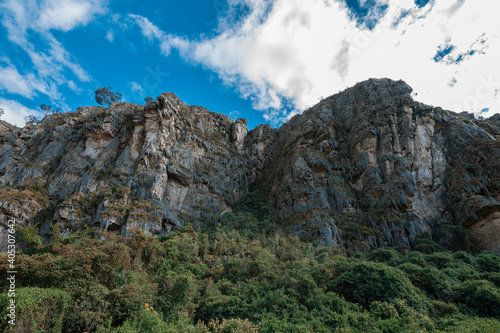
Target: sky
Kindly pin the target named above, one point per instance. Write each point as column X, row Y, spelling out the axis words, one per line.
column 263, row 60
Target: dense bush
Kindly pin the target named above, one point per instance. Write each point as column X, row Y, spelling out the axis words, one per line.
column 488, row 262
column 385, row 255
column 481, row 296
column 223, row 279
column 432, row 281
column 366, row 282
column 43, row 310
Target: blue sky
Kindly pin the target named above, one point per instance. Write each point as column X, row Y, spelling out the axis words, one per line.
column 257, row 59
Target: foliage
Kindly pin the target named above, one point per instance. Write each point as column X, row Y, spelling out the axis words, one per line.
column 37, row 309
column 425, row 244
column 30, row 119
column 47, row 109
column 28, row 236
column 366, row 282
column 483, row 297
column 225, row 279
column 120, row 190
column 385, row 255
column 105, row 97
column 150, row 102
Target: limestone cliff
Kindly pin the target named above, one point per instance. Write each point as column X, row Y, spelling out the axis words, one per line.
column 365, row 168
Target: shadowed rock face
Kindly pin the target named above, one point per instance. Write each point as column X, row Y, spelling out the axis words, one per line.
column 365, row 168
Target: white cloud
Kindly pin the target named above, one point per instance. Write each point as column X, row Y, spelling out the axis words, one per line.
column 155, row 34
column 27, row 20
column 305, row 49
column 15, row 112
column 65, row 15
column 72, row 85
column 15, row 83
column 136, row 88
column 110, row 36
column 234, row 114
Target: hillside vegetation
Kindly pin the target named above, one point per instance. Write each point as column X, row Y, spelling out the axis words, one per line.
column 241, row 273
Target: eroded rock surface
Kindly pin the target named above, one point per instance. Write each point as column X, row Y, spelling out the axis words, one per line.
column 365, row 168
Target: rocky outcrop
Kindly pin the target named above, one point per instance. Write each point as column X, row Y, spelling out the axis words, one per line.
column 129, row 166
column 381, row 168
column 17, row 208
column 365, row 168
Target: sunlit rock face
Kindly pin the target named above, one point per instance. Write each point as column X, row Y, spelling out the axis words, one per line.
column 366, row 168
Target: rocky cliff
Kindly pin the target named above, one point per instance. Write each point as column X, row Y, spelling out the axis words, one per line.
column 366, row 168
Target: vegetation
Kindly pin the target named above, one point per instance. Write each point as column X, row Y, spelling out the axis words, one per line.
column 150, row 102
column 105, row 97
column 2, row 112
column 47, row 109
column 242, row 274
column 31, row 119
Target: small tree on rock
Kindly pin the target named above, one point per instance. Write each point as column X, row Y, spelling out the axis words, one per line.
column 105, row 97
column 2, row 112
column 31, row 119
column 150, row 102
column 47, row 109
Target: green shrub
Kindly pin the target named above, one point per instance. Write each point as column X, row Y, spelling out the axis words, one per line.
column 492, row 277
column 429, row 279
column 89, row 305
column 255, row 203
column 121, row 191
column 132, row 291
column 488, row 262
column 441, row 260
column 464, row 257
column 385, row 255
column 149, row 320
column 177, row 294
column 425, row 244
column 461, row 323
column 383, row 310
column 397, row 316
column 368, row 282
column 416, row 258
column 441, row 309
column 36, row 309
column 461, row 274
column 29, row 237
column 481, row 296
column 227, row 326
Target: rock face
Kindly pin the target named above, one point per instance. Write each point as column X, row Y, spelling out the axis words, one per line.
column 366, row 168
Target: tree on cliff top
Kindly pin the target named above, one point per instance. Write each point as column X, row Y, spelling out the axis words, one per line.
column 47, row 109
column 105, row 97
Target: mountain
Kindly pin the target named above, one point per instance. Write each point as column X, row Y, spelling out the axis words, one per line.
column 366, row 168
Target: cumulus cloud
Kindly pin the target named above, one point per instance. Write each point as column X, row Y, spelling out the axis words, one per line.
column 65, row 15
column 300, row 50
column 15, row 112
column 53, row 66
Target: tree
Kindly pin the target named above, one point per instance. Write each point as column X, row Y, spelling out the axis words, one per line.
column 105, row 97
column 150, row 102
column 2, row 112
column 31, row 119
column 47, row 109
